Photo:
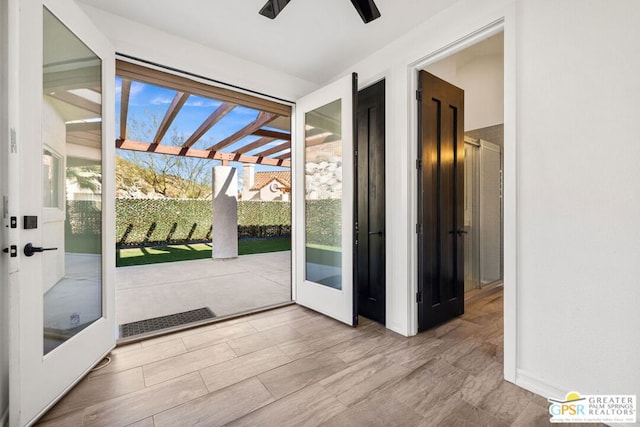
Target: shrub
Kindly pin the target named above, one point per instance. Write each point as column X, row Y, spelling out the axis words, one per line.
column 163, row 221
column 174, row 221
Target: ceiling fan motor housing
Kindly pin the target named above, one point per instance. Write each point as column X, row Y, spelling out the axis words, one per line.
column 367, row 9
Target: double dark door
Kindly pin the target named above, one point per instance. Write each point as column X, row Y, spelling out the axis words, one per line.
column 440, row 201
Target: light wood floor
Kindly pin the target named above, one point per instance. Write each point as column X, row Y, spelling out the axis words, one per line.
column 294, row 367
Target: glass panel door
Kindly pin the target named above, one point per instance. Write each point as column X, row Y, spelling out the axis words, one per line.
column 72, row 183
column 323, row 195
column 323, row 155
column 63, row 293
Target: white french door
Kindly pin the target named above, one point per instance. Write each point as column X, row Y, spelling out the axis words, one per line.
column 324, row 239
column 62, row 294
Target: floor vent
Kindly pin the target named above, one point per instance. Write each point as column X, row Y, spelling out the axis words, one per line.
column 128, row 330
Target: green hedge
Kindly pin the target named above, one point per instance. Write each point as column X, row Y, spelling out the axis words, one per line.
column 323, row 219
column 164, row 221
column 152, row 221
column 83, row 227
column 155, row 221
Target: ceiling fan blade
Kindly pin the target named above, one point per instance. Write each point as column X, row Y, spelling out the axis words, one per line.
column 367, row 9
column 273, row 7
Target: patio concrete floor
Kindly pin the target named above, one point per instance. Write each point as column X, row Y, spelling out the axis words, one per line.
column 225, row 286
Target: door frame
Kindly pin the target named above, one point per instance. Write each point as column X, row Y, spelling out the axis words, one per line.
column 507, row 25
column 7, row 235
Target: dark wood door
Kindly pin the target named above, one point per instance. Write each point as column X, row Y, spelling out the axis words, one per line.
column 440, row 201
column 370, row 260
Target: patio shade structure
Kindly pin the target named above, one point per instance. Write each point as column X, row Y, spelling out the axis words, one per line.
column 270, row 129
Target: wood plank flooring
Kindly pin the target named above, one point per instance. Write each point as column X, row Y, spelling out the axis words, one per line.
column 294, row 367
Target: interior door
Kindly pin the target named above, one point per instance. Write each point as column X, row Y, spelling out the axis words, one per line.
column 371, row 203
column 440, row 201
column 63, row 318
column 324, row 138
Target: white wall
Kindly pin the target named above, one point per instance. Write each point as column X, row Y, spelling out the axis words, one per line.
column 153, row 45
column 483, row 82
column 482, row 78
column 579, row 195
column 576, row 178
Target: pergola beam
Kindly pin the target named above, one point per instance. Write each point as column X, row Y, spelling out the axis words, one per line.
column 284, row 156
column 262, row 119
column 124, row 107
column 233, row 148
column 80, row 78
column 273, row 134
column 176, row 104
column 274, row 150
column 317, row 139
column 192, row 85
column 78, row 101
column 214, row 118
column 84, row 127
column 87, row 139
column 255, row 144
column 202, row 154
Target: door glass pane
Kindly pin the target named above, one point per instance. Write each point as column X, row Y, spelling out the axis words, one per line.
column 323, row 195
column 471, row 218
column 51, row 189
column 72, row 184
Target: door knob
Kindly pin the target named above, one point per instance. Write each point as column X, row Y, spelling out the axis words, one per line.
column 29, row 249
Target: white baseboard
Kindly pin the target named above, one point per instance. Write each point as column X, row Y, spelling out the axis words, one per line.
column 538, row 386
column 546, row 390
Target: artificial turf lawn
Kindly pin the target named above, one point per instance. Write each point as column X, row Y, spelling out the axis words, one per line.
column 172, row 253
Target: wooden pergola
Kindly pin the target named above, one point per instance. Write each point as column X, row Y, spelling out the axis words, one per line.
column 261, row 151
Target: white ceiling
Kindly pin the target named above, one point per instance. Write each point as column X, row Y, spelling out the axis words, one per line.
column 310, row 39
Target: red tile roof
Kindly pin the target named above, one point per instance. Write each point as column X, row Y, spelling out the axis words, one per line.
column 261, row 179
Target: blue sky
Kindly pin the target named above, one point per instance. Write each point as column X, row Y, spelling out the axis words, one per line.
column 148, row 103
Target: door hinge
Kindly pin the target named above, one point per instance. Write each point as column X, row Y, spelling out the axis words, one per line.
column 418, row 297
column 418, row 228
column 418, row 163
column 419, row 94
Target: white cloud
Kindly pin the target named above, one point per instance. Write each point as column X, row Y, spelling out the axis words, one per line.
column 201, row 103
column 136, row 88
column 160, row 100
